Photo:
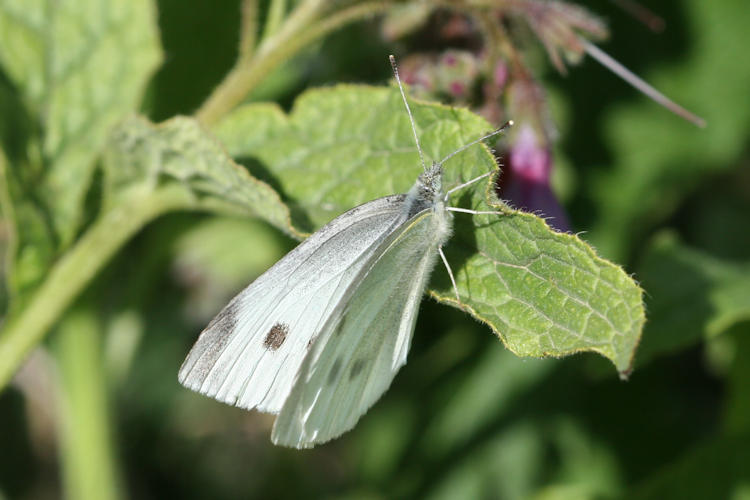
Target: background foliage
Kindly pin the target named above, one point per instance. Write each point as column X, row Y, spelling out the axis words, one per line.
column 98, row 413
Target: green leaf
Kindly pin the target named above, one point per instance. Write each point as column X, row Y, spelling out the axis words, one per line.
column 692, row 296
column 657, row 158
column 717, row 469
column 141, row 157
column 495, row 379
column 149, row 171
column 737, row 405
column 29, row 253
column 78, row 67
column 544, row 293
column 221, row 255
column 517, row 451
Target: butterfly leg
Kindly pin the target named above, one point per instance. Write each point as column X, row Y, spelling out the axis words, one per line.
column 474, row 212
column 450, row 272
column 468, row 183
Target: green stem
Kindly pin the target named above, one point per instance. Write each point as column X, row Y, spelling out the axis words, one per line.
column 247, row 74
column 77, row 268
column 294, row 35
column 276, row 12
column 79, row 265
column 340, row 19
column 248, row 29
column 85, row 434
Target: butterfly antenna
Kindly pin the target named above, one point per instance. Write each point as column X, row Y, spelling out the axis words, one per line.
column 408, row 110
column 507, row 124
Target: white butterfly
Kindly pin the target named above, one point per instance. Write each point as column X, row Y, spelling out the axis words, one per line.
column 319, row 337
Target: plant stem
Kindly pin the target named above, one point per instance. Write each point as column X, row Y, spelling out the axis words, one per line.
column 294, row 35
column 247, row 74
column 85, row 435
column 79, row 265
column 77, row 268
column 340, row 19
column 275, row 15
column 248, row 29
column 615, row 67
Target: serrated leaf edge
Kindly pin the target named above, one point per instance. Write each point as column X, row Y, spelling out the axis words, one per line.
column 493, row 201
column 242, row 171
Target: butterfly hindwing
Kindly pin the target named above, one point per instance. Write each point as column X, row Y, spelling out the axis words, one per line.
column 249, row 354
column 364, row 342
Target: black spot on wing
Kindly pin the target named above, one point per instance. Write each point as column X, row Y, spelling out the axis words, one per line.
column 357, row 368
column 276, row 336
column 213, row 339
column 334, row 373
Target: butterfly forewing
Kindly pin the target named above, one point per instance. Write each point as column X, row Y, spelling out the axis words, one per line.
column 365, row 340
column 249, row 354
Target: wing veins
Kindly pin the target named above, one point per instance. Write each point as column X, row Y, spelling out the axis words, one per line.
column 414, row 289
column 284, row 292
column 307, row 436
column 383, row 209
column 288, row 354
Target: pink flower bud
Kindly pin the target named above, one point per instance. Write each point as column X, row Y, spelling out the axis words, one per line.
column 525, row 182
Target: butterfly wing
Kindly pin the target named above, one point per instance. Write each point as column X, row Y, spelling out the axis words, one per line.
column 364, row 342
column 250, row 353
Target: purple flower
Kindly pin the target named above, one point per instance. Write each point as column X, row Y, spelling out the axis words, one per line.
column 525, row 182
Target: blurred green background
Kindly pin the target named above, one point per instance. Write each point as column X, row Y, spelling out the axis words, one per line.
column 464, row 418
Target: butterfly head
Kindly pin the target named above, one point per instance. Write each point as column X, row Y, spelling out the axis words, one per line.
column 427, row 191
column 427, row 194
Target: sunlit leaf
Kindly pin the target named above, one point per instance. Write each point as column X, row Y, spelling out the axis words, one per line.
column 544, row 293
column 78, row 67
column 141, row 157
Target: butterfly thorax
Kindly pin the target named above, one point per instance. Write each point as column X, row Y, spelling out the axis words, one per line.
column 427, row 194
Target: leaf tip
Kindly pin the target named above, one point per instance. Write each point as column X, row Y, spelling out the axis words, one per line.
column 625, row 374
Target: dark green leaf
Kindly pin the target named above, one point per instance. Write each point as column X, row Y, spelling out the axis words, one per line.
column 691, row 296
